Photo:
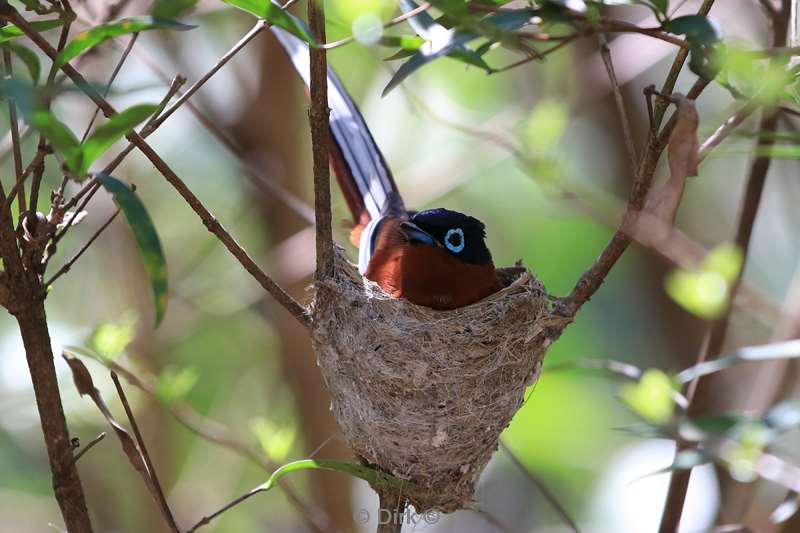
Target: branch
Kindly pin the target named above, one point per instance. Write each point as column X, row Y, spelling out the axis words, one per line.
column 605, row 52
column 162, row 501
column 699, row 389
column 220, row 435
column 295, row 309
column 15, row 143
column 318, row 118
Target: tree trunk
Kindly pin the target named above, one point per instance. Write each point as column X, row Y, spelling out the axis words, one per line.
column 66, row 483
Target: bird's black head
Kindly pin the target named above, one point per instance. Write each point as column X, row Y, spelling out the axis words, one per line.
column 461, row 235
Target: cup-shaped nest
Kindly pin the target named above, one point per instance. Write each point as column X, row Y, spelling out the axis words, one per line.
column 424, row 394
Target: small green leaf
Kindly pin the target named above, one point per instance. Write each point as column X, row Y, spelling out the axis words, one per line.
column 59, row 135
column 275, row 15
column 706, row 290
column 372, row 476
column 276, row 442
column 28, row 58
column 174, row 384
column 94, row 36
column 702, row 33
column 172, row 9
column 9, row 31
column 146, row 237
column 107, row 134
column 651, row 397
column 109, row 340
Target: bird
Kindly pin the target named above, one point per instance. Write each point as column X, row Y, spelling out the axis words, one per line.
column 437, row 258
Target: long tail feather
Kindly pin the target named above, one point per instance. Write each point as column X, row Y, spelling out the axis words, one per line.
column 362, row 172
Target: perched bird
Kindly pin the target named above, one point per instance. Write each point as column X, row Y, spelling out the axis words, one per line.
column 437, row 258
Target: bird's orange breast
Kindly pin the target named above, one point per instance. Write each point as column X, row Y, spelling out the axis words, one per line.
column 428, row 275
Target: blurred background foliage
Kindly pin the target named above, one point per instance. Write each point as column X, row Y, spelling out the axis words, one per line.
column 228, row 352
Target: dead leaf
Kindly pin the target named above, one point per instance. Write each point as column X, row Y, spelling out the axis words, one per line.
column 663, row 202
column 85, row 385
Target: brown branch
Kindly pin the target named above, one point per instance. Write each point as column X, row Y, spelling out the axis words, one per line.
column 161, row 499
column 318, row 118
column 213, row 225
column 221, row 435
column 699, row 390
column 228, row 506
column 68, row 265
column 95, row 441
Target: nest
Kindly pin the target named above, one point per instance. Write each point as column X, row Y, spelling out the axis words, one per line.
column 424, row 394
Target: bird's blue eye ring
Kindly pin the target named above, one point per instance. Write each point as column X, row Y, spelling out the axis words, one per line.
column 454, row 247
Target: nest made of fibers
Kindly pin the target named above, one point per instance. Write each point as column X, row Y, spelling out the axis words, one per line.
column 424, row 394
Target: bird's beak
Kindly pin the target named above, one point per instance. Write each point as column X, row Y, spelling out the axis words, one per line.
column 417, row 235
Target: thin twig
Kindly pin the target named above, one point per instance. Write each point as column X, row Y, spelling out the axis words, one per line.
column 290, row 304
column 395, row 21
column 15, row 143
column 162, row 500
column 548, row 495
column 220, row 435
column 89, row 446
column 605, row 53
column 320, row 130
column 68, row 265
column 110, row 82
column 233, row 503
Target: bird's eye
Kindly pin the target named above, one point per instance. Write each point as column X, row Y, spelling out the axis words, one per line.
column 454, row 240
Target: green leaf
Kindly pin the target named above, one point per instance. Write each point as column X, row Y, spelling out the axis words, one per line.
column 172, row 9
column 706, row 290
column 59, row 135
column 702, row 33
column 651, row 397
column 28, row 58
column 106, row 135
column 698, row 29
column 275, row 15
column 94, row 36
column 146, row 237
column 174, row 384
column 109, row 340
column 776, row 350
column 9, row 31
column 275, row 441
column 374, row 477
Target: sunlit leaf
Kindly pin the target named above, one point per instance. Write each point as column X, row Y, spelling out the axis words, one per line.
column 146, row 237
column 651, row 397
column 94, row 36
column 110, row 132
column 110, row 339
column 172, row 9
column 706, row 290
column 174, row 383
column 372, row 476
column 9, row 31
column 275, row 15
column 28, row 58
column 276, row 442
column 60, row 136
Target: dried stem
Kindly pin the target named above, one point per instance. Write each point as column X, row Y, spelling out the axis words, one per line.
column 320, row 130
column 162, row 501
column 213, row 225
column 89, row 446
column 228, row 506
